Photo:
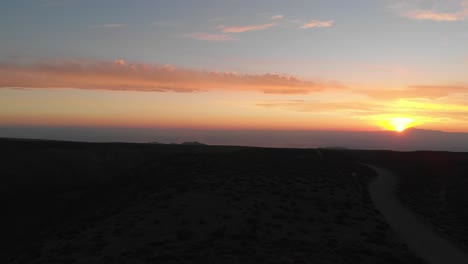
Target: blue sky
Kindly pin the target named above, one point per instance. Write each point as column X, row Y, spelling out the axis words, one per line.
column 155, row 32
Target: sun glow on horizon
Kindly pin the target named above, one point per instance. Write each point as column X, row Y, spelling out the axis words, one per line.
column 399, row 124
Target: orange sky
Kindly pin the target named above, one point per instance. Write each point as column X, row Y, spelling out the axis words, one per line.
column 244, row 64
column 223, row 105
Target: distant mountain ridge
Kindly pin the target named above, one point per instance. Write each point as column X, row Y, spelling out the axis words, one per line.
column 194, row 143
column 410, row 140
column 187, row 143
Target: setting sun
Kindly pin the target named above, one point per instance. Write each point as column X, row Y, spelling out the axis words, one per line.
column 396, row 123
column 400, row 123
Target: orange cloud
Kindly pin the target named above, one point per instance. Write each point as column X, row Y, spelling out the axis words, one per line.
column 458, row 15
column 417, row 91
column 120, row 75
column 435, row 16
column 209, row 37
column 317, row 24
column 240, row 29
column 324, row 107
column 421, row 112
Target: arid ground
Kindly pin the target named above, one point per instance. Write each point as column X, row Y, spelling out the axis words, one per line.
column 72, row 202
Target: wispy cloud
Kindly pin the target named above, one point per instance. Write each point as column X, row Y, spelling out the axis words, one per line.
column 426, row 112
column 120, row 75
column 209, row 37
column 412, row 11
column 277, row 17
column 431, row 15
column 108, row 26
column 417, row 91
column 323, row 107
column 240, row 29
column 317, row 24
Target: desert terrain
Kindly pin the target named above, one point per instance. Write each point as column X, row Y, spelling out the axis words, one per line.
column 69, row 202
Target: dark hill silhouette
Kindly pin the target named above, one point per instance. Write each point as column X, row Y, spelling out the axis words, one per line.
column 193, row 143
column 410, row 140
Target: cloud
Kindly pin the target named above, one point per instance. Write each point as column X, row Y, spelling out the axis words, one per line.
column 411, row 10
column 431, row 15
column 240, row 29
column 417, row 91
column 426, row 112
column 120, row 75
column 109, row 26
column 209, row 37
column 323, row 107
column 277, row 17
column 317, row 24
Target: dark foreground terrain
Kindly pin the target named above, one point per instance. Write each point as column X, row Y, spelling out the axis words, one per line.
column 69, row 202
column 432, row 184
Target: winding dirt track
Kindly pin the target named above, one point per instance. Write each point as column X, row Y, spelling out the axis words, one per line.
column 422, row 240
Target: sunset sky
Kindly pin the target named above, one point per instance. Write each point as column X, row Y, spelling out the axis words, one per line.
column 235, row 64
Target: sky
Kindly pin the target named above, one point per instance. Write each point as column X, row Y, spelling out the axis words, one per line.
column 360, row 65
